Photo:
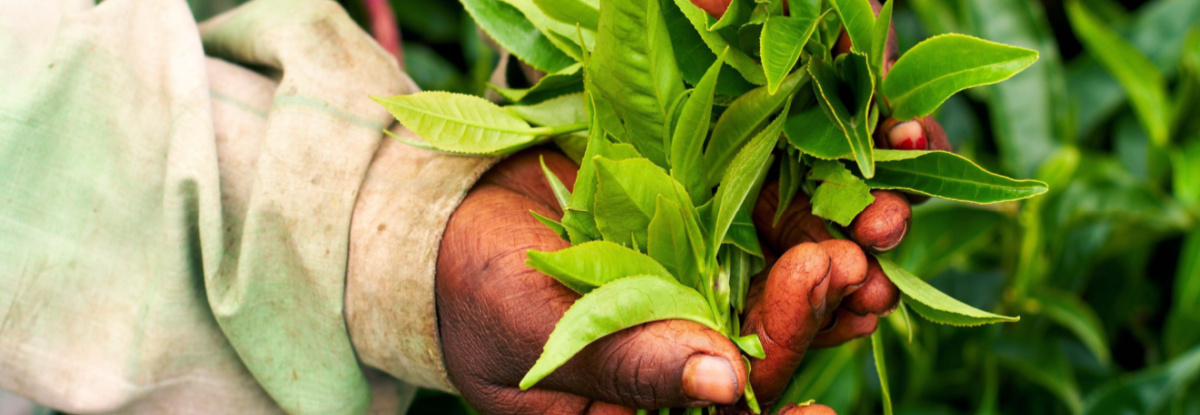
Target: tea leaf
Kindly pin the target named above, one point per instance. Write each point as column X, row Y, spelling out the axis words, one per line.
column 790, row 179
column 859, row 21
column 509, row 27
column 561, row 193
column 812, row 132
column 856, row 127
column 881, row 370
column 589, row 265
column 738, row 59
column 744, row 173
column 934, row 305
column 782, row 40
column 879, row 42
column 841, row 195
column 676, row 242
column 571, row 12
column 626, row 197
column 461, row 123
column 948, row 176
column 634, row 68
column 743, row 117
column 940, row 66
column 567, row 109
column 554, row 225
column 566, row 81
column 687, row 141
column 615, row 306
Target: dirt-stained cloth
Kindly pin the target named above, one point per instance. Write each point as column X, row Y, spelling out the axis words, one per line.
column 176, row 230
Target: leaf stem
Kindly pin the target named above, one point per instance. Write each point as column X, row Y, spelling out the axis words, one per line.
column 560, row 129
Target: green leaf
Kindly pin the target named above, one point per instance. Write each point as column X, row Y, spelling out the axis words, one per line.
column 944, row 236
column 741, row 266
column 859, row 21
column 936, row 68
column 571, row 12
column 1148, row 391
column 579, row 216
column 743, row 117
column 634, row 67
column 615, row 306
column 782, row 40
column 745, row 173
column 554, row 225
column 694, row 56
column 566, row 81
column 561, row 193
column 509, row 27
column 804, row 8
column 812, row 132
column 626, row 197
column 934, row 305
column 855, row 126
column 461, row 123
column 687, row 142
column 675, row 241
column 879, row 42
column 1071, row 312
column 1180, row 332
column 1141, row 79
column 738, row 59
column 948, row 176
column 750, row 345
column 589, row 265
column 881, row 370
column 791, row 176
column 567, row 109
column 737, row 13
column 841, row 195
column 565, row 36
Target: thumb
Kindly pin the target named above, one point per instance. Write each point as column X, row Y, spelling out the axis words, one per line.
column 662, row 364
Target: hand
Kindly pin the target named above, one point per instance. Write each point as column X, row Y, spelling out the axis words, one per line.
column 495, row 313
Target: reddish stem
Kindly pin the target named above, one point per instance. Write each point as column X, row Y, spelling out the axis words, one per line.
column 384, row 27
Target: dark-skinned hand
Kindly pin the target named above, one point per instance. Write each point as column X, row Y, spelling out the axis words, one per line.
column 495, row 313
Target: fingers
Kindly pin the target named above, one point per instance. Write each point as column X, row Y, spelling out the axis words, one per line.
column 798, row 224
column 664, row 364
column 522, row 174
column 846, row 326
column 848, row 268
column 811, row 409
column 788, row 315
column 920, row 134
column 878, row 295
column 882, row 225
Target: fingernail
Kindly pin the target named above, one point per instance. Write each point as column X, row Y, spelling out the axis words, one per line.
column 710, row 378
column 907, row 135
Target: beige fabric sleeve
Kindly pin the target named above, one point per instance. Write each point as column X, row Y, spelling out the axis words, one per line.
column 401, row 214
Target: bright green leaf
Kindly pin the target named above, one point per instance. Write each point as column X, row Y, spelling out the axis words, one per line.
column 859, row 20
column 742, row 119
column 855, row 127
column 634, row 68
column 554, row 225
column 812, row 132
column 934, row 305
column 567, row 109
column 687, row 142
column 561, row 193
column 936, row 68
column 782, row 40
column 675, row 241
column 745, row 173
column 461, row 123
column 841, row 195
column 566, row 81
column 589, row 265
column 571, row 12
column 509, row 27
column 626, row 197
column 948, row 176
column 613, row 307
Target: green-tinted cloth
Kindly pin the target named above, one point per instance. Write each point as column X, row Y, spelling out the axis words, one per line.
column 138, row 267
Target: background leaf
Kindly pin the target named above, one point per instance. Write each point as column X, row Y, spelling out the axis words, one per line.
column 935, row 305
column 1141, row 79
column 948, row 176
column 935, row 69
column 512, row 30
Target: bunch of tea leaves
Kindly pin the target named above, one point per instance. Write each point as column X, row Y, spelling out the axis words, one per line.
column 659, row 218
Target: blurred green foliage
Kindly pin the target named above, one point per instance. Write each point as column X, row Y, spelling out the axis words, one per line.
column 1104, row 270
